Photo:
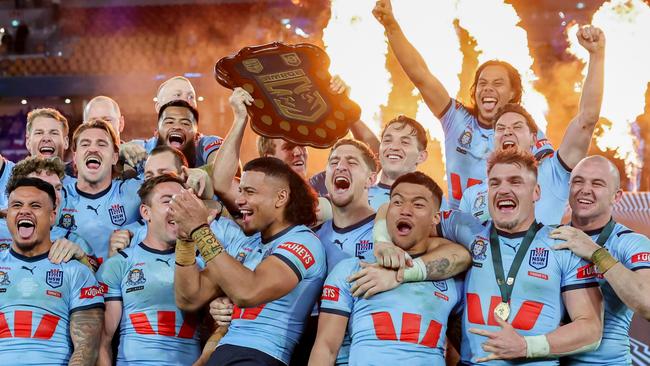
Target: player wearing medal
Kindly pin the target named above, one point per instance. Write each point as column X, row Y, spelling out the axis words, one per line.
column 621, row 257
column 518, row 287
column 515, row 128
column 405, row 323
column 272, row 269
column 468, row 131
column 139, row 286
column 51, row 313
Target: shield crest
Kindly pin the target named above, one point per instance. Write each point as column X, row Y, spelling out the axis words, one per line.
column 538, row 258
column 54, row 278
column 118, row 214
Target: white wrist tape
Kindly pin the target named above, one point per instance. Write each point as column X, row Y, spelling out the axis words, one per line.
column 537, row 346
column 587, row 348
column 417, row 273
column 380, row 232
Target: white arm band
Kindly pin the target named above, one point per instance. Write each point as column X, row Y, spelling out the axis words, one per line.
column 538, row 346
column 417, row 273
column 380, row 232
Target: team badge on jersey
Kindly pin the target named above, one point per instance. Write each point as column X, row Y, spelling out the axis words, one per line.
column 362, row 247
column 538, row 258
column 135, row 277
column 67, row 221
column 479, row 247
column 4, row 279
column 4, row 246
column 241, row 257
column 118, row 214
column 479, row 202
column 54, row 278
column 440, row 285
column 465, row 139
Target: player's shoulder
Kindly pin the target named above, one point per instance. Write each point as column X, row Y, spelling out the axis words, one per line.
column 210, row 142
column 346, row 267
column 625, row 236
column 74, row 268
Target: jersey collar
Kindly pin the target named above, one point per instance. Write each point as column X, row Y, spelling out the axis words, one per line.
column 25, row 258
column 343, row 230
column 93, row 195
column 156, row 251
column 268, row 240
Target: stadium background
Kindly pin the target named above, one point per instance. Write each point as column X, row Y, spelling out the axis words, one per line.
column 62, row 53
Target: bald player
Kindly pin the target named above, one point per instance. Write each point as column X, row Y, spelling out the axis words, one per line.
column 620, row 257
column 105, row 109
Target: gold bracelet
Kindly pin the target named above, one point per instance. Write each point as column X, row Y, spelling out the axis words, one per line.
column 185, row 253
column 603, row 260
column 208, row 245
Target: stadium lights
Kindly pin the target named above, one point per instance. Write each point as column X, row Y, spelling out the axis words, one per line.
column 67, row 101
column 155, row 99
column 201, row 99
column 23, row 102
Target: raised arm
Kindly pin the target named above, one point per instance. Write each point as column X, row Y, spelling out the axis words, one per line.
column 85, row 332
column 112, row 318
column 578, row 135
column 433, row 92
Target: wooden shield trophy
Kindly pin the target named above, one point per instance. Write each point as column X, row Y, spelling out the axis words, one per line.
column 290, row 85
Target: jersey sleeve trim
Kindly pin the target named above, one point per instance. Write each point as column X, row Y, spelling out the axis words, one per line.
column 113, row 298
column 290, row 264
column 446, row 109
column 623, row 232
column 578, row 286
column 562, row 163
column 122, row 253
column 99, row 305
column 335, row 312
column 638, row 268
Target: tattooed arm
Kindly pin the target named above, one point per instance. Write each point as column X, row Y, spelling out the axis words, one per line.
column 85, row 331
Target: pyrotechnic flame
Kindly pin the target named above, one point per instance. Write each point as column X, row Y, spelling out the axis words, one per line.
column 493, row 24
column 626, row 24
column 429, row 27
column 357, row 49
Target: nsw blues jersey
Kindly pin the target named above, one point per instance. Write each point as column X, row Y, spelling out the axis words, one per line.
column 37, row 299
column 275, row 328
column 553, row 179
column 633, row 251
column 352, row 241
column 56, row 232
column 378, row 195
column 406, row 323
column 5, row 173
column 205, row 145
column 467, row 147
column 536, row 302
column 153, row 331
column 96, row 216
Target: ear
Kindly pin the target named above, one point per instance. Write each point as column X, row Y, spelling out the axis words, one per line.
column 617, row 196
column 53, row 215
column 422, row 157
column 66, row 143
column 537, row 193
column 116, row 157
column 372, row 178
column 27, row 141
column 156, row 106
column 121, row 124
column 145, row 212
column 282, row 197
column 435, row 221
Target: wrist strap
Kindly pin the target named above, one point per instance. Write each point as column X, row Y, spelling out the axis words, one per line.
column 208, row 245
column 603, row 260
column 537, row 346
column 417, row 273
column 185, row 254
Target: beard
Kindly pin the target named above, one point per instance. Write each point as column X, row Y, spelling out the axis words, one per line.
column 189, row 150
column 508, row 225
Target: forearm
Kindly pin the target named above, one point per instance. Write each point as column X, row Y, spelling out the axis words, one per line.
column 408, row 56
column 321, row 355
column 445, row 261
column 236, row 281
column 85, row 332
column 576, row 335
column 592, row 90
column 631, row 288
column 105, row 352
column 226, row 162
column 361, row 132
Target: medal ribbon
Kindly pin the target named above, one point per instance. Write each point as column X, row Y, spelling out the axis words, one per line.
column 497, row 261
column 605, row 234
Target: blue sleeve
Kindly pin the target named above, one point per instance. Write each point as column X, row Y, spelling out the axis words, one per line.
column 576, row 272
column 542, row 146
column 85, row 290
column 555, row 175
column 229, row 234
column 454, row 118
column 459, row 227
column 337, row 297
column 209, row 144
column 303, row 255
column 636, row 251
column 110, row 275
column 129, row 188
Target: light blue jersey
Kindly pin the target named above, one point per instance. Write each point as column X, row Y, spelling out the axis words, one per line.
column 352, row 241
column 403, row 325
column 37, row 299
column 553, row 179
column 467, row 147
column 96, row 216
column 153, row 331
column 536, row 300
column 205, row 145
column 56, row 232
column 633, row 251
column 275, row 327
column 5, row 174
column 378, row 195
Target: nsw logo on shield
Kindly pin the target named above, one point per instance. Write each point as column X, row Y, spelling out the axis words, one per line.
column 538, row 258
column 118, row 214
column 54, row 278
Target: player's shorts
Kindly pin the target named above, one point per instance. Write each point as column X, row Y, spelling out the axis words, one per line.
column 229, row 355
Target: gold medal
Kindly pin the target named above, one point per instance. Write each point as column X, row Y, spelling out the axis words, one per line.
column 502, row 311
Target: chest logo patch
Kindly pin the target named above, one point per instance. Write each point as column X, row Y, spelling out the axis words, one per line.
column 538, row 258
column 118, row 214
column 479, row 247
column 67, row 221
column 465, row 139
column 4, row 279
column 54, row 278
column 135, row 277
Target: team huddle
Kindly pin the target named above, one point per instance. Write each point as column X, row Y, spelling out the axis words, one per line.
column 167, row 251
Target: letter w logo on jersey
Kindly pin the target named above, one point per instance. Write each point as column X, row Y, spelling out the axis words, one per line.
column 247, row 313
column 525, row 319
column 166, row 324
column 300, row 251
column 410, row 329
column 23, row 326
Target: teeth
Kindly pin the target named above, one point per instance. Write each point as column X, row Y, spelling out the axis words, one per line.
column 47, row 149
column 585, row 201
column 25, row 222
column 299, row 163
column 506, row 203
column 394, row 157
column 245, row 211
column 489, row 100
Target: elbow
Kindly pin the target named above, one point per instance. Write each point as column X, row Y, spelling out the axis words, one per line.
column 244, row 300
column 643, row 310
column 186, row 304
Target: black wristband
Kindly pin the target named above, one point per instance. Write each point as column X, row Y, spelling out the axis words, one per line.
column 185, row 265
column 198, row 228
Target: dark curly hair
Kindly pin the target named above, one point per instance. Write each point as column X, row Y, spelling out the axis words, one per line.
column 302, row 202
column 513, row 76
